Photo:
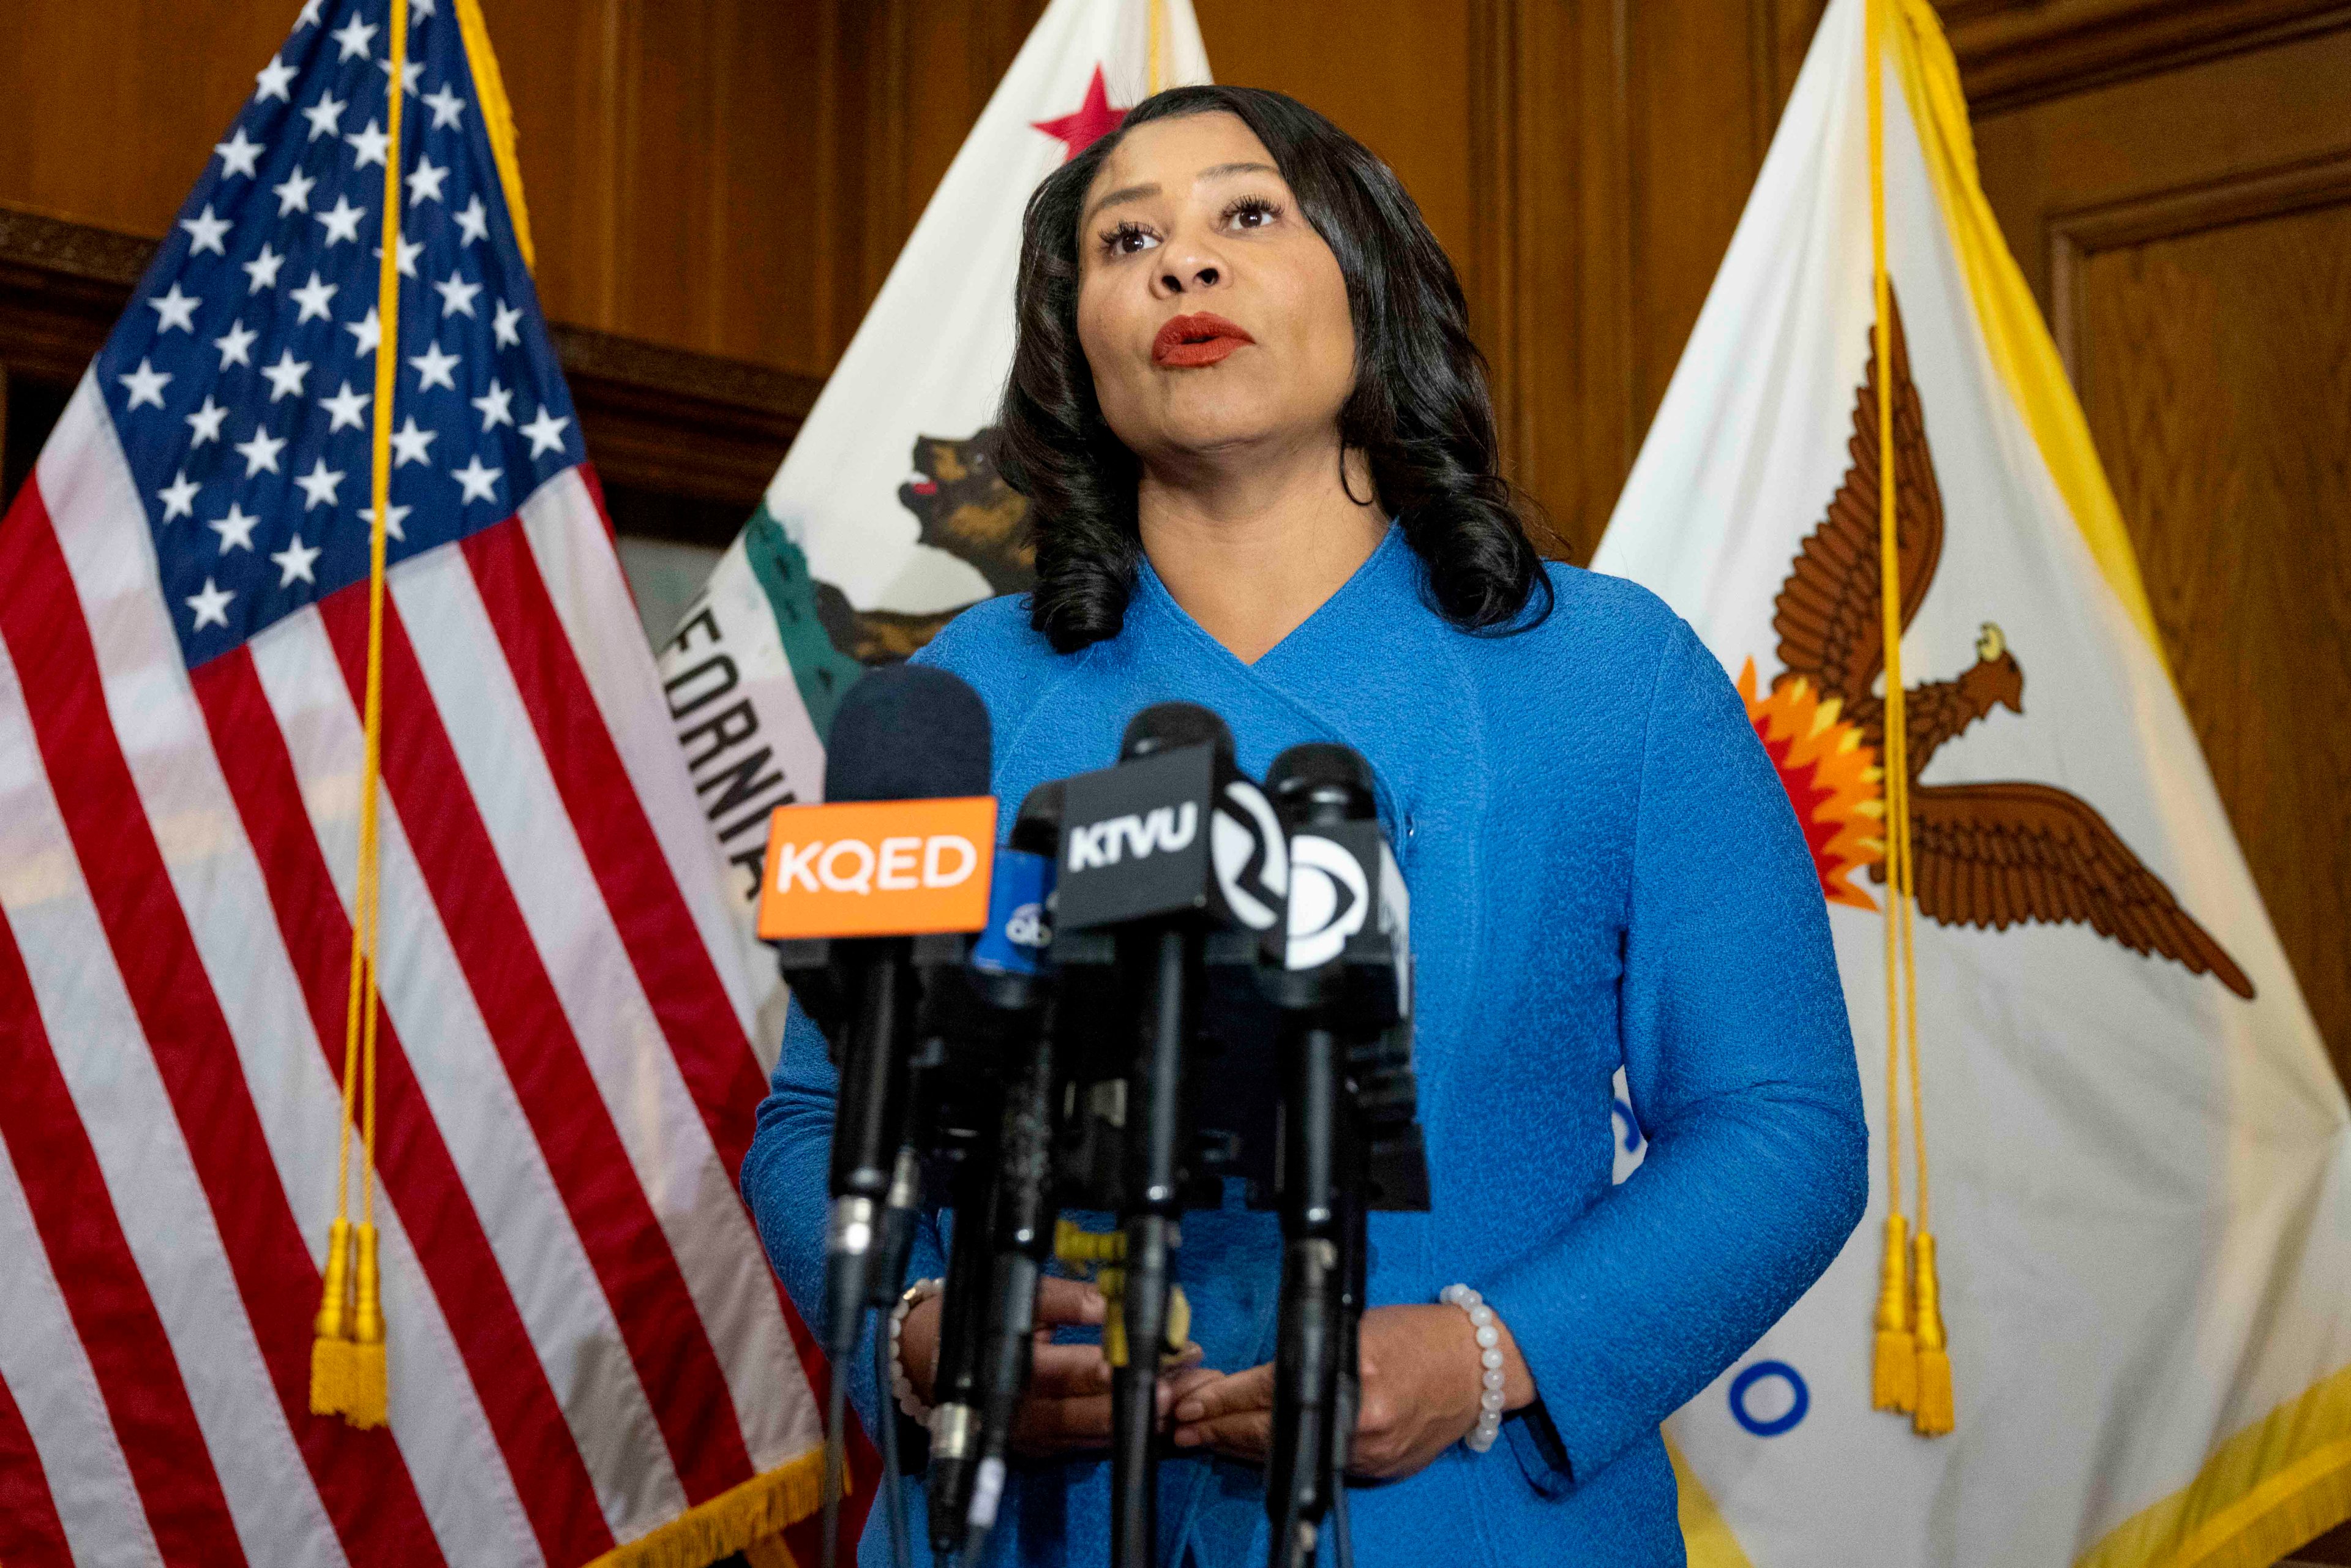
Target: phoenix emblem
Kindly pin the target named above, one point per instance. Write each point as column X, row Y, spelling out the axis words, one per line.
column 1989, row 856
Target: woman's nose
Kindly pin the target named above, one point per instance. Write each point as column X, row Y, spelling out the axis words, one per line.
column 1192, row 274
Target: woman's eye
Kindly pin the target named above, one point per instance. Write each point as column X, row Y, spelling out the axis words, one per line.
column 1127, row 239
column 1251, row 213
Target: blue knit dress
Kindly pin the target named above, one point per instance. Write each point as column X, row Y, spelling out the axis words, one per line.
column 1603, row 872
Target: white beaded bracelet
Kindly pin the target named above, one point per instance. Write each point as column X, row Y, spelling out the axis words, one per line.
column 901, row 1386
column 1489, row 1355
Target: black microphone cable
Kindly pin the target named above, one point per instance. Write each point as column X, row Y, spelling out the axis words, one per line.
column 893, row 1496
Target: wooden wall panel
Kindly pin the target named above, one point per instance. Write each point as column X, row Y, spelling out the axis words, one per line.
column 1618, row 146
column 2184, row 220
column 1395, row 73
column 109, row 109
column 907, row 82
column 672, row 153
column 2221, row 407
column 671, row 148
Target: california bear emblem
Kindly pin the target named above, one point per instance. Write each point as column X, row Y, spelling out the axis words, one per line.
column 966, row 508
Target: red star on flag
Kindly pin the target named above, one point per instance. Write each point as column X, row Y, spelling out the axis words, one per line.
column 1093, row 119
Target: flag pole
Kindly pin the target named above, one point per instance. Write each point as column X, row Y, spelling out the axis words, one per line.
column 349, row 1374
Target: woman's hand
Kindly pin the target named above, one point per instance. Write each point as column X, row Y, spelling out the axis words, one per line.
column 1067, row 1410
column 1421, row 1380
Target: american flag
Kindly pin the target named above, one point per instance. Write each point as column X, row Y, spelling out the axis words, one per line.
column 588, row 1349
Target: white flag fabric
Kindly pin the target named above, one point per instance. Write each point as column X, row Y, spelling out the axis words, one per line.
column 2137, row 1145
column 888, row 516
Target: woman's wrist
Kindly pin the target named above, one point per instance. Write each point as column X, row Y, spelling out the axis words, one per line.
column 1503, row 1383
column 909, row 1395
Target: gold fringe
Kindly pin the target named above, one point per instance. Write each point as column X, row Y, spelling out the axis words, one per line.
column 750, row 1514
column 2277, row 1483
column 1894, row 1370
column 497, row 118
column 1706, row 1538
column 770, row 1554
column 368, row 1399
column 1935, row 1415
column 331, row 1377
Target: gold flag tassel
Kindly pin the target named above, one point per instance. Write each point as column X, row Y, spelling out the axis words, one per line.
column 349, row 1376
column 1911, row 1367
column 1935, row 1415
column 1893, row 1369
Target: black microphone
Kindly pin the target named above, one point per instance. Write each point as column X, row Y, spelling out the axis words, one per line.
column 1158, row 853
column 994, row 1054
column 905, row 733
column 1344, row 984
column 867, row 890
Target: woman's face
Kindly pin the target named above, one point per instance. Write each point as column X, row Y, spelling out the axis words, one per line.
column 1212, row 314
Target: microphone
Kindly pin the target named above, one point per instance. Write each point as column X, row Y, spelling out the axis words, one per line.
column 1159, row 853
column 1344, row 980
column 1000, row 1064
column 866, row 894
column 1013, row 975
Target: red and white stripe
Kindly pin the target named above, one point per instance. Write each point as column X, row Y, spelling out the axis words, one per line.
column 585, row 1337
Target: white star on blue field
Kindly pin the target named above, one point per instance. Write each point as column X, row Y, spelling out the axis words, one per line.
column 243, row 377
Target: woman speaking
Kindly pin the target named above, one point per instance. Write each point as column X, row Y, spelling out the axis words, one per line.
column 1260, row 460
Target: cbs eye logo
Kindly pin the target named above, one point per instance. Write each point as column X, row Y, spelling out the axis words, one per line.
column 1329, row 897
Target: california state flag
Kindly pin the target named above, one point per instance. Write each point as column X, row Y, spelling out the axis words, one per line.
column 888, row 516
column 2135, row 1150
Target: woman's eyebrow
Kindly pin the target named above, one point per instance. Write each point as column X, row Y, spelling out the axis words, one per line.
column 1136, row 193
column 1128, row 193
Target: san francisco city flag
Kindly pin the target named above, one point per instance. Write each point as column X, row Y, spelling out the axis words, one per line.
column 2135, row 1148
column 888, row 514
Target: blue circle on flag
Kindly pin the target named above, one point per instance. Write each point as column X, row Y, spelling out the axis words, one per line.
column 1800, row 1398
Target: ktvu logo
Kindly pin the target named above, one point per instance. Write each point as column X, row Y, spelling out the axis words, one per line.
column 1162, row 829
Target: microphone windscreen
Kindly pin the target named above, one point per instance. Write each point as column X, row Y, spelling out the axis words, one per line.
column 1166, row 727
column 908, row 732
column 1318, row 777
column 1037, row 828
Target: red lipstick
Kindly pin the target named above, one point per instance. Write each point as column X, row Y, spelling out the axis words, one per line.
column 1187, row 342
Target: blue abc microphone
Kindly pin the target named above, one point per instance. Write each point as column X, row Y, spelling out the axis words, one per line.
column 1169, row 852
column 1003, row 1214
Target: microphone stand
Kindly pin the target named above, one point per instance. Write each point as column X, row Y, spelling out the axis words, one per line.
column 1153, row 1198
column 1350, row 1139
column 1024, row 1219
column 1306, row 1362
column 955, row 1412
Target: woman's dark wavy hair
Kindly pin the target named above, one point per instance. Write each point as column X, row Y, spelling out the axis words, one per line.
column 1419, row 413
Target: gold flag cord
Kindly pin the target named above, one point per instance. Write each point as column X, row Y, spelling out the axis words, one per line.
column 1156, row 20
column 349, row 1375
column 1912, row 1368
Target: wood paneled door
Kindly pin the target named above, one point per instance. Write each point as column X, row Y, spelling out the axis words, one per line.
column 2186, row 222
